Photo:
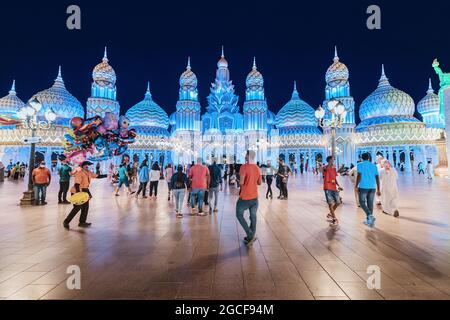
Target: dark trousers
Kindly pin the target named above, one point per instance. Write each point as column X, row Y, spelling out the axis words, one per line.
column 252, row 207
column 63, row 189
column 206, row 197
column 83, row 216
column 154, row 188
column 143, row 188
column 283, row 189
column 269, row 180
column 421, row 171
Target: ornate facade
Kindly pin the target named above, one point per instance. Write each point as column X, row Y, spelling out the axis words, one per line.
column 387, row 126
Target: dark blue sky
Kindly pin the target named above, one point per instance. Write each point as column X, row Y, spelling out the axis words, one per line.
column 292, row 40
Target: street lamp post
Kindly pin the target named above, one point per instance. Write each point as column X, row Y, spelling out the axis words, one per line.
column 338, row 113
column 29, row 116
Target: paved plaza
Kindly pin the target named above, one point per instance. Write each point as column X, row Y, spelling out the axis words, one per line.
column 137, row 249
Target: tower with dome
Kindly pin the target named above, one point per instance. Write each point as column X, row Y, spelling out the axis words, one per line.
column 186, row 121
column 338, row 87
column 103, row 90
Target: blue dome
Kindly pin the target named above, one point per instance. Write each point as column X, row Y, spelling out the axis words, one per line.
column 386, row 101
column 10, row 104
column 188, row 79
column 296, row 113
column 148, row 114
column 103, row 74
column 61, row 101
column 254, row 79
column 337, row 73
column 430, row 103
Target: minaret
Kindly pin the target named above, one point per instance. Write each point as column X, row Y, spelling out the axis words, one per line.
column 188, row 107
column 255, row 106
column 103, row 90
column 338, row 87
column 187, row 134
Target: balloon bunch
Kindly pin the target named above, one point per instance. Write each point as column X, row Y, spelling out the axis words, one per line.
column 97, row 139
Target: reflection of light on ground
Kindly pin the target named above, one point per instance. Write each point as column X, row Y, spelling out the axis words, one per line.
column 138, row 249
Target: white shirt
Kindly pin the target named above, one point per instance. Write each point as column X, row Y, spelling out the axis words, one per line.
column 155, row 175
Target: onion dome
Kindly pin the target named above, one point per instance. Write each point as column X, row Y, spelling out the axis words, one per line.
column 337, row 73
column 61, row 101
column 386, row 105
column 103, row 74
column 10, row 104
column 147, row 113
column 297, row 115
column 254, row 79
column 430, row 103
column 188, row 79
column 223, row 63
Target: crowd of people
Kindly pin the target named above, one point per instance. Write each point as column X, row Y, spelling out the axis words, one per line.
column 198, row 185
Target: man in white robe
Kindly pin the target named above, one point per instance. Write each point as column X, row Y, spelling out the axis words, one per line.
column 389, row 189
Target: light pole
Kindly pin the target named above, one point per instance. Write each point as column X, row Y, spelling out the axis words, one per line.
column 338, row 113
column 29, row 116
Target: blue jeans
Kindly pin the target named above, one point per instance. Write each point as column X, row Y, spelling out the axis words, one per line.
column 179, row 197
column 366, row 198
column 252, row 207
column 40, row 191
column 213, row 192
column 200, row 193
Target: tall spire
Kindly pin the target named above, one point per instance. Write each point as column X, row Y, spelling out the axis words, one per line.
column 59, row 80
column 189, row 64
column 430, row 86
column 105, row 55
column 148, row 94
column 223, row 54
column 13, row 88
column 254, row 63
column 295, row 92
column 383, row 79
column 336, row 57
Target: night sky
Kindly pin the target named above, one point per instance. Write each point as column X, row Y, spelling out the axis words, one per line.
column 292, row 40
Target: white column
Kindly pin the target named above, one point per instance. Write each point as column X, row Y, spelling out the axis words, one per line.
column 407, row 159
column 391, row 156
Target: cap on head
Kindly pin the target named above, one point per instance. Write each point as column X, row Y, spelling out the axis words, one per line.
column 86, row 163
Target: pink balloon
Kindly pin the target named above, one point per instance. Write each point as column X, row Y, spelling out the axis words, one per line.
column 77, row 157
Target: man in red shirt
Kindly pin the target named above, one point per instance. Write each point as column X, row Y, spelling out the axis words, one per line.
column 41, row 177
column 248, row 197
column 199, row 177
column 331, row 188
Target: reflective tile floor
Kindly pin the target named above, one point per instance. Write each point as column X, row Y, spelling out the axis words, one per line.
column 137, row 249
